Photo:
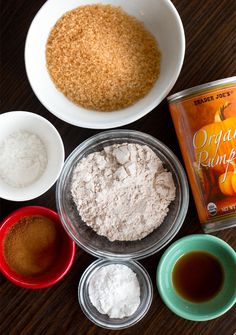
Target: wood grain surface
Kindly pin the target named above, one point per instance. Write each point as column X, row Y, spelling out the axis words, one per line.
column 210, row 27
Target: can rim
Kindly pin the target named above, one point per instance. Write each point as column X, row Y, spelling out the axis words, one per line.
column 199, row 88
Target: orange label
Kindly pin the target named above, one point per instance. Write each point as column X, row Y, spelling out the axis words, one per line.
column 205, row 124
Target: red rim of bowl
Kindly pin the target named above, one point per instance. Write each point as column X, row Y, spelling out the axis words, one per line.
column 19, row 280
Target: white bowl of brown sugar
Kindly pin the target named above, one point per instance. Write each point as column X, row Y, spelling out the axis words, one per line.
column 107, row 64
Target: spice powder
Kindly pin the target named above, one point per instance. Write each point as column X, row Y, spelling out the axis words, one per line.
column 31, row 245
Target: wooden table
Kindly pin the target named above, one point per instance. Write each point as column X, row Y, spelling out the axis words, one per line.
column 210, row 55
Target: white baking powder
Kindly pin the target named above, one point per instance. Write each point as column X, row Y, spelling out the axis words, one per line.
column 122, row 192
column 23, row 158
column 114, row 290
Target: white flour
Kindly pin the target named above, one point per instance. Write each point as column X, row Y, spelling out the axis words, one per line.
column 122, row 192
column 114, row 290
column 23, row 158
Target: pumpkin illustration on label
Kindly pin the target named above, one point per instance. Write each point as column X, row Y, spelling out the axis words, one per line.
column 215, row 144
column 227, row 182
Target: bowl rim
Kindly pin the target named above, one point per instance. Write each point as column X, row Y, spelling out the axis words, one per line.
column 103, row 262
column 167, row 152
column 107, row 124
column 159, row 280
column 54, row 132
column 10, row 220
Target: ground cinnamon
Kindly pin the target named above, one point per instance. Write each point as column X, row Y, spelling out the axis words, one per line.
column 31, row 245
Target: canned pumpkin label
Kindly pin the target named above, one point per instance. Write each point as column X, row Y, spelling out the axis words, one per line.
column 205, row 123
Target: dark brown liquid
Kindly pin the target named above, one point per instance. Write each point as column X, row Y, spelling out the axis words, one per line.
column 198, row 276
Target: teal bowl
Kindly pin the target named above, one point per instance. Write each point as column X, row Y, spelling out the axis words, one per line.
column 212, row 308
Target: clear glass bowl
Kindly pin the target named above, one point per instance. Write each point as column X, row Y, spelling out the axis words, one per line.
column 102, row 320
column 100, row 246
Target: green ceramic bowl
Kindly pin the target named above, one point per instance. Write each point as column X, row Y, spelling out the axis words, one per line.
column 213, row 308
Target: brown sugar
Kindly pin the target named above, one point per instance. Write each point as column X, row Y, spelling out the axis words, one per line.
column 102, row 58
column 31, row 245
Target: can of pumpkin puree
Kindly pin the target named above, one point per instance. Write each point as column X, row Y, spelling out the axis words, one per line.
column 205, row 122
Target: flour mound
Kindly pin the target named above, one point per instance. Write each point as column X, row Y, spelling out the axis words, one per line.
column 122, row 192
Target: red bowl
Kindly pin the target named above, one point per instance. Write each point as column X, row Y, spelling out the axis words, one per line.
column 65, row 256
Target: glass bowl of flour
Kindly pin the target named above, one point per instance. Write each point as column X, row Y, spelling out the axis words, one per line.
column 122, row 194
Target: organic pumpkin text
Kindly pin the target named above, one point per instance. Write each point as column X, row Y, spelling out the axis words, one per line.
column 202, row 140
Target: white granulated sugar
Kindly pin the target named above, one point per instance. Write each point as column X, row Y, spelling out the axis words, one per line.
column 114, row 290
column 23, row 158
column 122, row 192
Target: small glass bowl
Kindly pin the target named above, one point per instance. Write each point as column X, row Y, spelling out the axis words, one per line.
column 100, row 246
column 103, row 320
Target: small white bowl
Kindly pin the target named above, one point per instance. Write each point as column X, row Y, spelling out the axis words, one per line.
column 161, row 19
column 18, row 120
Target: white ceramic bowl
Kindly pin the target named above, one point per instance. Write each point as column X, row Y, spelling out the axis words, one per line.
column 18, row 120
column 159, row 16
